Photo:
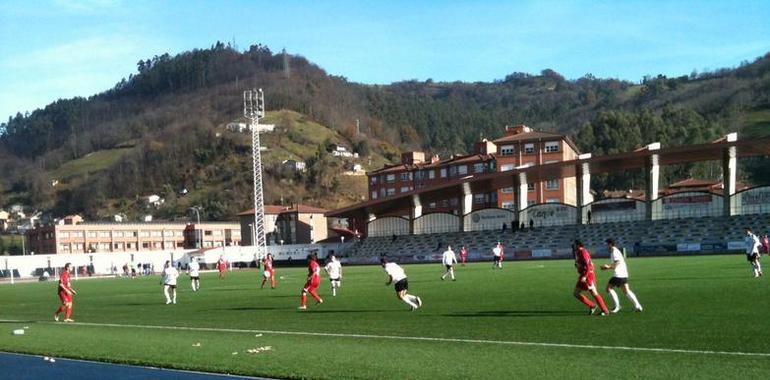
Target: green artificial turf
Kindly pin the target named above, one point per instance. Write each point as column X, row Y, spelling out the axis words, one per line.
column 706, row 303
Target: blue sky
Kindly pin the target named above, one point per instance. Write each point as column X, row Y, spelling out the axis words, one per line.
column 58, row 49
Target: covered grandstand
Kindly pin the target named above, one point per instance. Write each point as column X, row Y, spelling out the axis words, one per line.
column 688, row 221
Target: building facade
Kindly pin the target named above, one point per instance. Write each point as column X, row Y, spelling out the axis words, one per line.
column 131, row 237
column 521, row 146
column 296, row 224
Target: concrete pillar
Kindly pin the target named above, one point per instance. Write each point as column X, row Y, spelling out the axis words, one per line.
column 652, row 174
column 729, row 174
column 466, row 204
column 583, row 176
column 520, row 191
column 416, row 211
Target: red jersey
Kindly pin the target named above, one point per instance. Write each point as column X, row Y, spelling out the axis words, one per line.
column 314, row 270
column 583, row 262
column 64, row 281
column 268, row 264
column 463, row 252
column 221, row 264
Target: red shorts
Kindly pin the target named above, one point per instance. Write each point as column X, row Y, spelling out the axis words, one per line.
column 312, row 284
column 64, row 296
column 590, row 282
column 222, row 268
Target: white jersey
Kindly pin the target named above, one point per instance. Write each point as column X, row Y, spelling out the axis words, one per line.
column 334, row 269
column 752, row 244
column 194, row 269
column 621, row 271
column 497, row 251
column 449, row 257
column 170, row 275
column 395, row 272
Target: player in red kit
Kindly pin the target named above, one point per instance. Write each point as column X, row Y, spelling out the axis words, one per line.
column 65, row 294
column 313, row 280
column 587, row 279
column 463, row 255
column 221, row 266
column 269, row 271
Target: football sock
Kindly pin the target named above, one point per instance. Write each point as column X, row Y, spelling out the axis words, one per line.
column 263, row 282
column 452, row 274
column 303, row 299
column 409, row 302
column 586, row 301
column 69, row 312
column 60, row 310
column 601, row 303
column 173, row 292
column 633, row 299
column 615, row 299
column 165, row 292
column 759, row 267
column 315, row 296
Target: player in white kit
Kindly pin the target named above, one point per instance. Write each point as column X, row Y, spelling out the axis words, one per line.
column 752, row 252
column 193, row 270
column 397, row 276
column 170, row 274
column 619, row 277
column 449, row 259
column 334, row 270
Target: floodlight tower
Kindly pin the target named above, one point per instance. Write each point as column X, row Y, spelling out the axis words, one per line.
column 253, row 110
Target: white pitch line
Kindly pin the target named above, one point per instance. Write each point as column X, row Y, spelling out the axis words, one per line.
column 427, row 339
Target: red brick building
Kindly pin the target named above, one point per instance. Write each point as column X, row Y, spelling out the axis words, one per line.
column 520, row 146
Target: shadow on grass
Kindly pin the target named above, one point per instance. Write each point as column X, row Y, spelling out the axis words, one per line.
column 321, row 311
column 517, row 313
column 244, row 308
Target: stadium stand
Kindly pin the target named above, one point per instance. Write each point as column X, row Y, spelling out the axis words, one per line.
column 704, row 234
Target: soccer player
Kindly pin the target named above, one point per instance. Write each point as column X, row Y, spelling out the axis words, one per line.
column 195, row 277
column 313, row 280
column 269, row 271
column 766, row 244
column 65, row 294
column 334, row 270
column 497, row 256
column 752, row 252
column 168, row 280
column 587, row 279
column 619, row 277
column 449, row 259
column 221, row 266
column 396, row 275
column 463, row 255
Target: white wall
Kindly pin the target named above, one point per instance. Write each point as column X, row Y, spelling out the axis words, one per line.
column 436, row 223
column 388, row 226
column 488, row 219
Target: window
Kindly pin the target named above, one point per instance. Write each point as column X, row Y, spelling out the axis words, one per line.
column 509, row 205
column 207, row 232
column 551, row 146
column 92, row 234
column 530, row 187
column 431, row 174
column 390, row 178
column 374, row 195
column 552, row 200
column 443, row 173
column 506, row 168
column 478, row 168
column 373, row 180
column 419, row 175
column 406, row 176
column 552, row 184
column 391, row 191
column 432, row 205
column 405, row 189
column 507, row 190
column 462, row 170
column 64, row 235
column 478, row 198
column 77, row 234
column 529, row 148
column 453, row 202
column 506, row 150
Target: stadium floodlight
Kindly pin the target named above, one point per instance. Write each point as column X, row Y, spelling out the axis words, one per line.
column 253, row 110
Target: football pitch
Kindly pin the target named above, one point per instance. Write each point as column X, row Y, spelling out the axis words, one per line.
column 704, row 317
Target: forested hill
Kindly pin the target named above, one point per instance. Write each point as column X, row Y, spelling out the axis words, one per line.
column 159, row 130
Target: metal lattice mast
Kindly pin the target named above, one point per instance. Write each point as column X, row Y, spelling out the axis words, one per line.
column 253, row 110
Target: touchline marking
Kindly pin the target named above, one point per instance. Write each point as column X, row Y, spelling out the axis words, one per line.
column 421, row 338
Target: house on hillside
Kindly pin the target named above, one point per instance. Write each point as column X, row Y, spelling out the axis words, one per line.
column 70, row 220
column 4, row 220
column 154, row 200
column 297, row 166
column 338, row 150
column 244, row 128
